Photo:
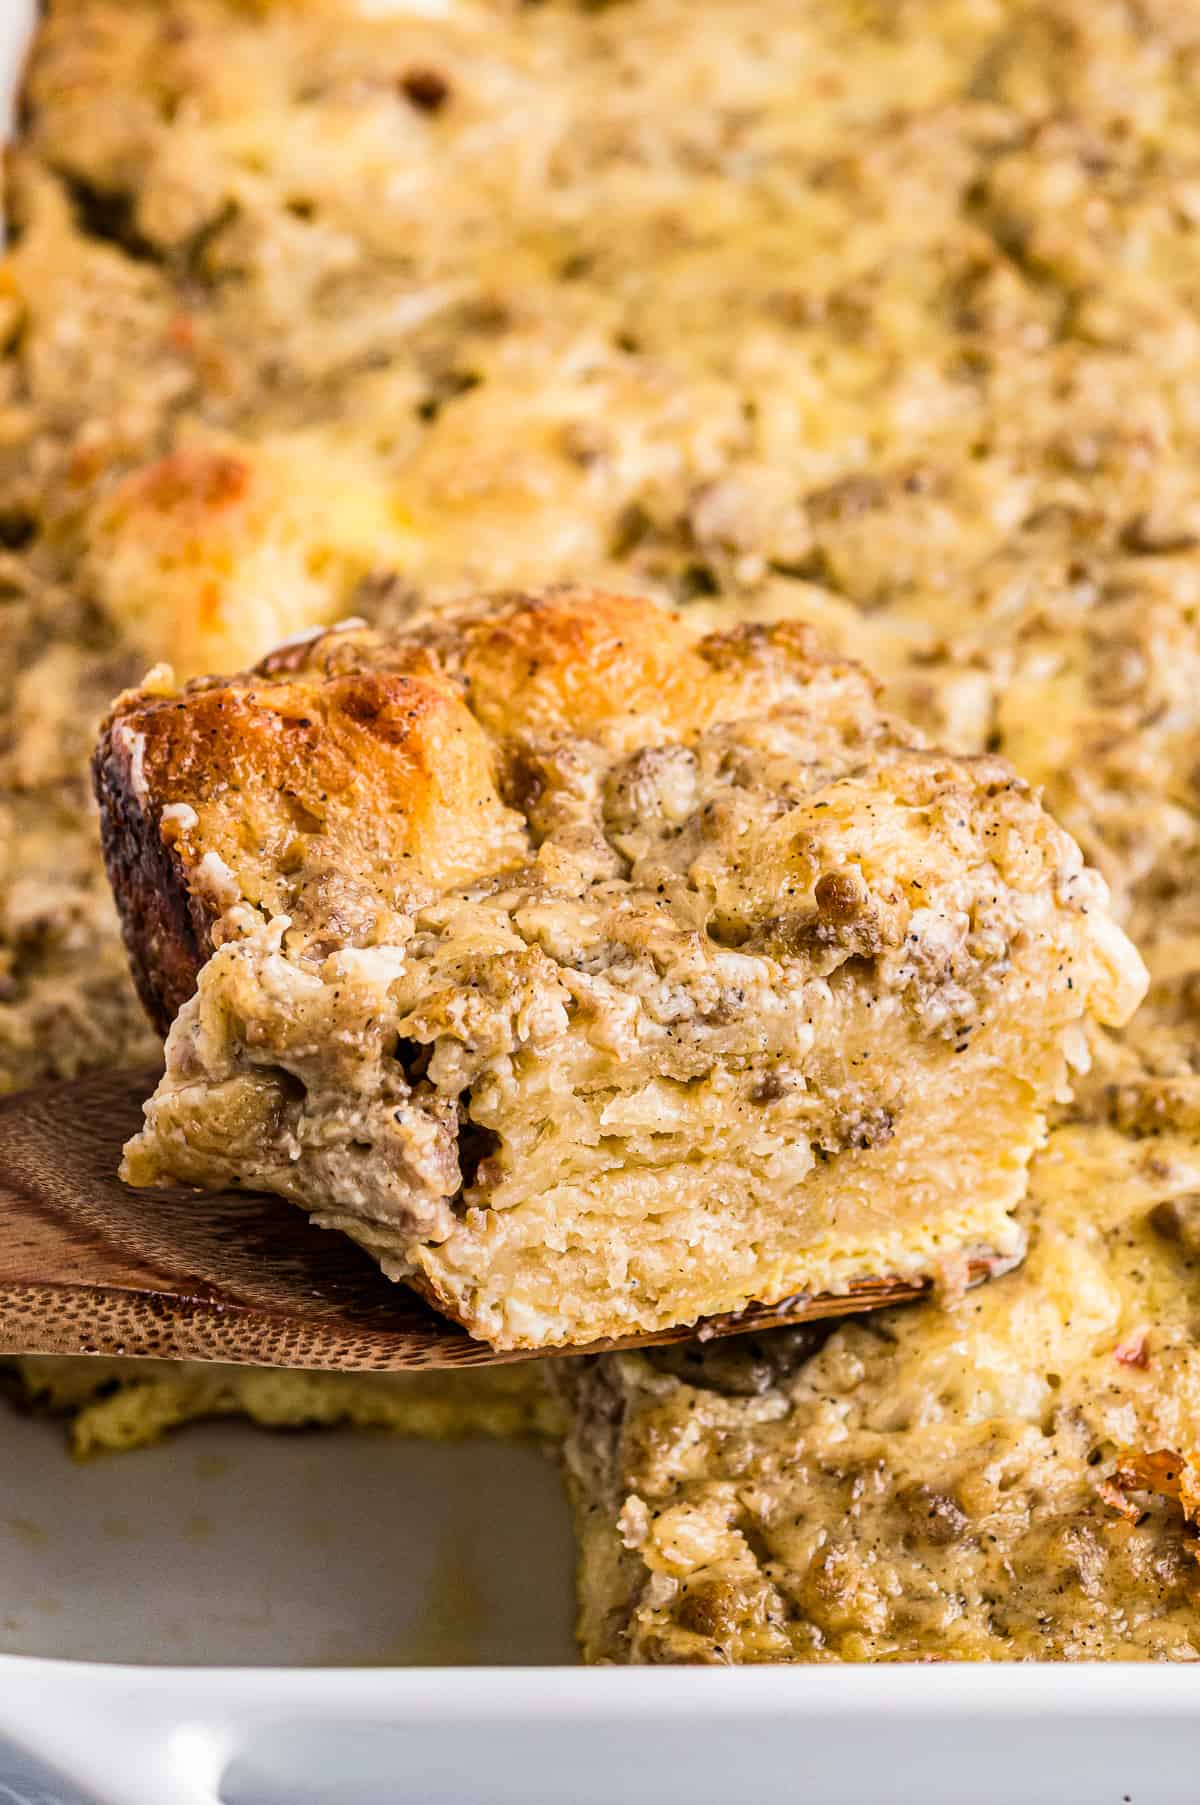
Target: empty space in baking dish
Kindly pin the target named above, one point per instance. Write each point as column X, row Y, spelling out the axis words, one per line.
column 230, row 1546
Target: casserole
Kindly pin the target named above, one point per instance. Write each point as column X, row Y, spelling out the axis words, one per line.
column 113, row 1575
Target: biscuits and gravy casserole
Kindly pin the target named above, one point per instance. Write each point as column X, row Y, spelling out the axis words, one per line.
column 877, row 316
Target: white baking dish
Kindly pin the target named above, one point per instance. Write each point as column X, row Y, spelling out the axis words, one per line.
column 124, row 1584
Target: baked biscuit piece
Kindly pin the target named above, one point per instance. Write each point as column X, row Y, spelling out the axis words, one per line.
column 598, row 976
column 1013, row 1477
column 206, row 557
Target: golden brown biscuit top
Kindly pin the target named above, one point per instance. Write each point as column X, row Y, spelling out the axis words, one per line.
column 425, row 759
column 714, row 791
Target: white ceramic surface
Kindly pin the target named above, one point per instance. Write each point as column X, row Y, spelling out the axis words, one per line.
column 228, row 1546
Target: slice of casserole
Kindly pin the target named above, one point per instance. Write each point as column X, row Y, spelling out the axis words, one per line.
column 1013, row 1477
column 595, row 975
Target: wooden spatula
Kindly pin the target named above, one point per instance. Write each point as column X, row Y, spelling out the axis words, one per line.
column 88, row 1266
